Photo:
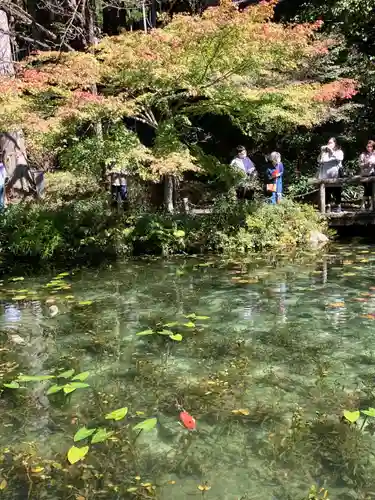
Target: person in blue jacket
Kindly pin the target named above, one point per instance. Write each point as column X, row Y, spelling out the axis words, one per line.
column 275, row 178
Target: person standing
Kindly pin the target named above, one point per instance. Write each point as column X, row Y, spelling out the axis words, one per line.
column 330, row 167
column 367, row 169
column 275, row 178
column 2, row 184
column 247, row 172
column 119, row 186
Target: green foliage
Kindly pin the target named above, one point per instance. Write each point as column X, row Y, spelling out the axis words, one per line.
column 146, row 425
column 67, row 387
column 87, row 155
column 117, row 414
column 77, row 454
column 89, row 229
column 284, row 226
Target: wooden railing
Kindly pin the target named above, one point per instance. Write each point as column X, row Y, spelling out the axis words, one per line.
column 340, row 182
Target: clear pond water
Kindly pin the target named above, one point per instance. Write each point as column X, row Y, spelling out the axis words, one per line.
column 272, row 353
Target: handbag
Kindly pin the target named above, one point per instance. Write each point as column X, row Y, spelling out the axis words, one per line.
column 271, row 188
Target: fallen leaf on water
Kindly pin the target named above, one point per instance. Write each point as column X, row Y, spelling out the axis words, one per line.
column 3, row 484
column 204, row 487
column 36, row 470
column 363, row 260
column 347, row 262
column 241, row 411
column 336, row 304
column 348, row 274
column 368, row 316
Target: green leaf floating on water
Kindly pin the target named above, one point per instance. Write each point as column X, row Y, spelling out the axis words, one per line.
column 369, row 413
column 85, row 302
column 72, row 386
column 55, row 388
column 173, row 323
column 19, row 278
column 176, row 336
column 101, row 436
column 76, row 454
column 117, row 414
column 202, row 318
column 189, row 324
column 165, row 332
column 34, row 378
column 12, row 385
column 83, row 434
column 62, row 275
column 146, row 425
column 352, row 416
column 66, row 374
column 145, row 332
column 81, row 376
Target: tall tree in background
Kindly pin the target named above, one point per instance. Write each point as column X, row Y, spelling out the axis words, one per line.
column 12, row 143
column 259, row 74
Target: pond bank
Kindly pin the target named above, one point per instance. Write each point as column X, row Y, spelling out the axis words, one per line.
column 88, row 231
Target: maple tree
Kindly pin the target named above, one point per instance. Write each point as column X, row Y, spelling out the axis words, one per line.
column 259, row 73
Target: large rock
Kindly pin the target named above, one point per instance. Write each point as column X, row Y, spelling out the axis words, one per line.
column 317, row 239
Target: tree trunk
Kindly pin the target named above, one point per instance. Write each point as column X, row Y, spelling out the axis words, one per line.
column 92, row 41
column 12, row 143
column 168, row 193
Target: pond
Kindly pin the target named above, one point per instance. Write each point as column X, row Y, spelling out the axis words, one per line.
column 266, row 354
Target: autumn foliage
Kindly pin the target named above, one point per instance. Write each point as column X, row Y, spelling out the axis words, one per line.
column 237, row 63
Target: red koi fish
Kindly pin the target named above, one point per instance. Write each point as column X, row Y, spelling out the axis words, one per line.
column 188, row 421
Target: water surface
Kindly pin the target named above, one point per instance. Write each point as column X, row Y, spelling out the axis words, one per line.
column 280, row 350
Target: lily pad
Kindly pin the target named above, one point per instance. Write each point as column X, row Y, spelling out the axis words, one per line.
column 176, row 336
column 76, row 454
column 146, row 425
column 83, row 434
column 117, row 414
column 145, row 332
column 369, row 413
column 352, row 416
column 66, row 374
column 101, row 436
column 12, row 385
column 55, row 388
column 81, row 376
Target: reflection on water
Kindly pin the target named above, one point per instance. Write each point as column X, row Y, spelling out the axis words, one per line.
column 290, row 344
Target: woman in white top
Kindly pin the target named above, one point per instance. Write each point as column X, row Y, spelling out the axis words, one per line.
column 330, row 167
column 367, row 166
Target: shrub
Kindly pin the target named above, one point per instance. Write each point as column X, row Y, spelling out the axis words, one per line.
column 89, row 230
column 287, row 225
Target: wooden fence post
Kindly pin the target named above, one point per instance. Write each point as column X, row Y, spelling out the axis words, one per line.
column 322, row 197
